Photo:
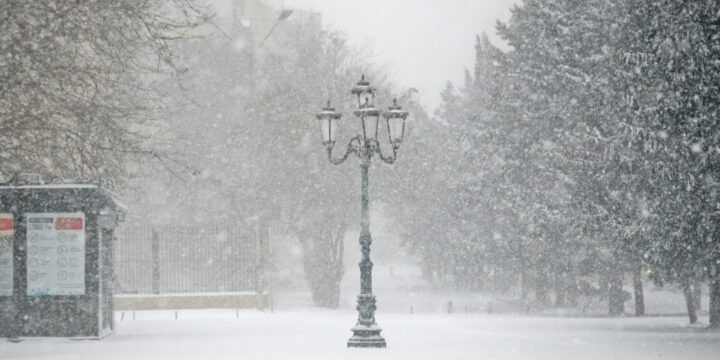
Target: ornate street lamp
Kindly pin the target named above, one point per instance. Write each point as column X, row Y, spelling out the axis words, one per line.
column 366, row 333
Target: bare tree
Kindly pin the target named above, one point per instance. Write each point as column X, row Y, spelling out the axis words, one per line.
column 77, row 95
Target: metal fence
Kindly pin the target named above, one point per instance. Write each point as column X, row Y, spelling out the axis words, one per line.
column 187, row 259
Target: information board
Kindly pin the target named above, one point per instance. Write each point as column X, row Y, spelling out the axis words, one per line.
column 56, row 254
column 7, row 232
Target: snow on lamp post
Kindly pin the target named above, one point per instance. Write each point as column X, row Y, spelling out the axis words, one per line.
column 366, row 333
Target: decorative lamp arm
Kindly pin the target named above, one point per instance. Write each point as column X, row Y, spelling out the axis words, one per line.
column 387, row 159
column 351, row 148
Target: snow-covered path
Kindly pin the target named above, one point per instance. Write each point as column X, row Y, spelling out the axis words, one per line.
column 320, row 334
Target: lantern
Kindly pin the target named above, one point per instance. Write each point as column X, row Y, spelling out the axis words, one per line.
column 328, row 124
column 368, row 114
column 395, row 119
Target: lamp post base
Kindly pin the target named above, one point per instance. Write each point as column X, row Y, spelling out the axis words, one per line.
column 366, row 337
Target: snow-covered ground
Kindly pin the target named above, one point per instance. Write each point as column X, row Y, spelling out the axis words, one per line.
column 299, row 331
column 322, row 334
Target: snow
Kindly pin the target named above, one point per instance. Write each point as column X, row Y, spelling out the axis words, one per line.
column 52, row 186
column 298, row 330
column 194, row 294
column 65, row 186
column 563, row 157
column 400, row 286
column 322, row 334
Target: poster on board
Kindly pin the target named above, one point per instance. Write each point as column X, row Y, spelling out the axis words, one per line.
column 7, row 232
column 56, row 254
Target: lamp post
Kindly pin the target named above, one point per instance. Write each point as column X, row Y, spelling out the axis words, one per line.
column 366, row 333
column 282, row 17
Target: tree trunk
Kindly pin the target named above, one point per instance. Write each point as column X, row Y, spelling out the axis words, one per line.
column 697, row 294
column 638, row 292
column 603, row 286
column 616, row 303
column 715, row 301
column 687, row 291
column 426, row 267
column 560, row 289
column 541, row 288
column 572, row 291
column 524, row 285
column 323, row 260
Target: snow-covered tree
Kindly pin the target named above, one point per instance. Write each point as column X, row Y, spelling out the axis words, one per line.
column 589, row 148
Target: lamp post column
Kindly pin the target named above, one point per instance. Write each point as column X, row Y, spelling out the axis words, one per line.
column 366, row 333
column 365, row 238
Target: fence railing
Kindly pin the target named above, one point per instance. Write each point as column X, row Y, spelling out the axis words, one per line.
column 187, row 259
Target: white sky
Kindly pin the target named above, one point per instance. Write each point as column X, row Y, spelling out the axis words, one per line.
column 422, row 43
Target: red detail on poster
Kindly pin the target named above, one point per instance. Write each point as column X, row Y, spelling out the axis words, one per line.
column 6, row 224
column 68, row 223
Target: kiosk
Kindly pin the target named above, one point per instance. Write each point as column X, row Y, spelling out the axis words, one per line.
column 56, row 258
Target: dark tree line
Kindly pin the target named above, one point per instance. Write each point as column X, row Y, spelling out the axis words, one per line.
column 588, row 151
